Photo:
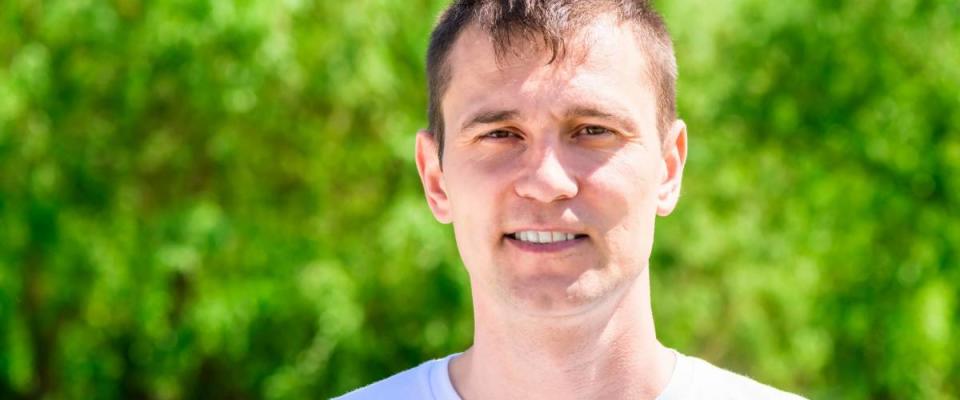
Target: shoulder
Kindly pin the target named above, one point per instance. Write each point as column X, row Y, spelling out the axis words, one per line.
column 698, row 379
column 412, row 384
column 735, row 386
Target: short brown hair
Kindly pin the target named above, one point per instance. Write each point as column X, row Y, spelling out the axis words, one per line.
column 550, row 21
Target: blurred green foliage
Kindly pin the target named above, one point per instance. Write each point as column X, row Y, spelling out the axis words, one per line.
column 217, row 199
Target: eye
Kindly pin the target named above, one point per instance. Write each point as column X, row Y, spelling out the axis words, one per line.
column 498, row 134
column 593, row 130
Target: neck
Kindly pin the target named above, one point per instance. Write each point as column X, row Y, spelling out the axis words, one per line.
column 609, row 352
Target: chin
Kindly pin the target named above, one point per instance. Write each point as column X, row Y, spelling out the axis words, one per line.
column 554, row 296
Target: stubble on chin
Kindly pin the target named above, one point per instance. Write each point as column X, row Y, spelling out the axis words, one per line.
column 554, row 295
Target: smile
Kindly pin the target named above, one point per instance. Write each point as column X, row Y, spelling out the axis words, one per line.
column 544, row 237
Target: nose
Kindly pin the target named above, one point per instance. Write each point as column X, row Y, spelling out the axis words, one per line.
column 545, row 179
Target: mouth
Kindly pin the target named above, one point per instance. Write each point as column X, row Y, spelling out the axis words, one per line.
column 544, row 237
column 545, row 242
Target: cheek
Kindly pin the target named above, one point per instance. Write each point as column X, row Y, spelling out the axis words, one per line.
column 625, row 189
column 474, row 204
column 470, row 231
column 470, row 192
column 629, row 179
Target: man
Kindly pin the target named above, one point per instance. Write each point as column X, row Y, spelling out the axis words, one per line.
column 553, row 145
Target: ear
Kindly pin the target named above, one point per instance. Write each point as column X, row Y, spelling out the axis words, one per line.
column 428, row 165
column 674, row 157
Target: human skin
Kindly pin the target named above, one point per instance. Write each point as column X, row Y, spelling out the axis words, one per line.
column 570, row 146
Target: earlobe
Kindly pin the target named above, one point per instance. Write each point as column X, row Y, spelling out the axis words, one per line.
column 674, row 158
column 431, row 175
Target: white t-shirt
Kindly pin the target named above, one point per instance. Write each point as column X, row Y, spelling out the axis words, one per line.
column 692, row 378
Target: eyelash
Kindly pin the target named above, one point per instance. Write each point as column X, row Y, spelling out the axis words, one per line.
column 491, row 135
column 583, row 130
column 501, row 134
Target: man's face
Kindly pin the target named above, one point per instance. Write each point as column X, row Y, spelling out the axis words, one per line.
column 566, row 153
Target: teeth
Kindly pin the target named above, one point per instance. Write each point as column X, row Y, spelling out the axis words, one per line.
column 543, row 237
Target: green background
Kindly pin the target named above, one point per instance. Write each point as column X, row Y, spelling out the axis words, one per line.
column 215, row 199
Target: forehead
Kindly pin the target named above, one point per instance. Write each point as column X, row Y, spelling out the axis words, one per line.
column 602, row 63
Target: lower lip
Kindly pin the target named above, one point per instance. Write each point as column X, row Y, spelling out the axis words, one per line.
column 554, row 247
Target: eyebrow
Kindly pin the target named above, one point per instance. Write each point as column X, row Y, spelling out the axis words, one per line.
column 593, row 112
column 581, row 111
column 489, row 117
